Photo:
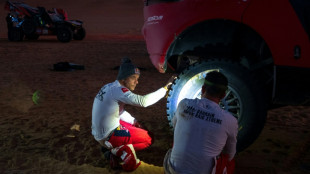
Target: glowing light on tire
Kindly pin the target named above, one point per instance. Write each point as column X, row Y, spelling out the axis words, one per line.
column 192, row 90
column 196, row 82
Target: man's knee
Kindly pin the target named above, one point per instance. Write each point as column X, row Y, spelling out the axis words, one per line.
column 105, row 144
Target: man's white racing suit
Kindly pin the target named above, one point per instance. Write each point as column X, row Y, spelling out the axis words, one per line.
column 202, row 130
column 108, row 107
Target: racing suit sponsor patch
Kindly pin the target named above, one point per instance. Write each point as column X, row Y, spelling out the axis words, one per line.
column 124, row 90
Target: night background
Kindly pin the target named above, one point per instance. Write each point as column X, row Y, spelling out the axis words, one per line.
column 53, row 134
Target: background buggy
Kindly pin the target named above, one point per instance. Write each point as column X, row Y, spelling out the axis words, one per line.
column 30, row 22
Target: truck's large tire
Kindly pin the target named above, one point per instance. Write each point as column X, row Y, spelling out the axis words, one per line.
column 244, row 98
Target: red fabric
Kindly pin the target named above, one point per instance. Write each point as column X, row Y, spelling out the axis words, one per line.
column 223, row 162
column 63, row 13
column 125, row 90
column 138, row 137
column 120, row 136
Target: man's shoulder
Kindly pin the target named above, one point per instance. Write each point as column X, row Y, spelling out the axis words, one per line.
column 187, row 100
column 230, row 116
column 115, row 87
column 124, row 90
column 111, row 84
column 192, row 103
column 120, row 89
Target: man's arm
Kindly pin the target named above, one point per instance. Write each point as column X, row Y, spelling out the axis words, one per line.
column 131, row 98
column 178, row 112
column 231, row 143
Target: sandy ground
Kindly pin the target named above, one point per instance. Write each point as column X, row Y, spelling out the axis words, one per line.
column 54, row 135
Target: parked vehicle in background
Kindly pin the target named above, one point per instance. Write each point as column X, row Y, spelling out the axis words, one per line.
column 262, row 46
column 24, row 21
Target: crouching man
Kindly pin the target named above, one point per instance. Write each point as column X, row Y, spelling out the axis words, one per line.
column 202, row 132
column 112, row 126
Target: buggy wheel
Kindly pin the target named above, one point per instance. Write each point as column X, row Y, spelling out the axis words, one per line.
column 79, row 34
column 29, row 26
column 64, row 33
column 15, row 34
column 243, row 98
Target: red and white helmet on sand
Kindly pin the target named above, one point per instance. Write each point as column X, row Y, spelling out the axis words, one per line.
column 128, row 156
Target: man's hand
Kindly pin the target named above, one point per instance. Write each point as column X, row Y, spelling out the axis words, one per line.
column 170, row 81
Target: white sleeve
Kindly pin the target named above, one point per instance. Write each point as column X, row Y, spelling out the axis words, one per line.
column 125, row 116
column 128, row 97
column 178, row 112
column 174, row 120
column 231, row 142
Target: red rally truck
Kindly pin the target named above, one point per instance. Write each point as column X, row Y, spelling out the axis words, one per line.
column 262, row 46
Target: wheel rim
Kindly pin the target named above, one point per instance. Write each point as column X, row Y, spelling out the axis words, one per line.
column 232, row 102
column 192, row 89
column 65, row 35
column 29, row 26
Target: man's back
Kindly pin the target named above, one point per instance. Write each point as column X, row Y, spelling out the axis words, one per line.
column 105, row 112
column 201, row 131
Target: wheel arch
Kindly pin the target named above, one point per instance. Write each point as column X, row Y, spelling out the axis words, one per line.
column 226, row 40
column 218, row 38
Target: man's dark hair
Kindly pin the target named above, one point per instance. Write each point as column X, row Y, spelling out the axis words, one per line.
column 215, row 84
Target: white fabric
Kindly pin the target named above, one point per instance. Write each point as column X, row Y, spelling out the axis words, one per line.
column 108, row 107
column 168, row 169
column 55, row 16
column 125, row 116
column 202, row 130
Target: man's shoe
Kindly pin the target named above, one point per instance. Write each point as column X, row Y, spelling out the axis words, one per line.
column 107, row 155
column 114, row 161
column 103, row 149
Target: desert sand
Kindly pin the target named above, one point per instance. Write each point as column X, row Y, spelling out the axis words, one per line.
column 53, row 135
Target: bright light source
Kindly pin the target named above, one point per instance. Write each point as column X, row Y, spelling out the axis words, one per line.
column 192, row 89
